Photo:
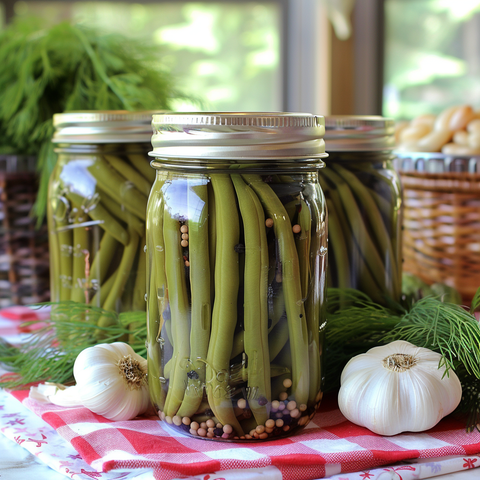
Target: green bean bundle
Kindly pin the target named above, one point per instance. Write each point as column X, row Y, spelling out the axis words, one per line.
column 236, row 285
column 97, row 215
column 364, row 200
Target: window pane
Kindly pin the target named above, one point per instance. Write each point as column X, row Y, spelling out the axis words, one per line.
column 432, row 56
column 228, row 53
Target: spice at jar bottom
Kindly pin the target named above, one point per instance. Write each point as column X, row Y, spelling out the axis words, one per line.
column 236, row 276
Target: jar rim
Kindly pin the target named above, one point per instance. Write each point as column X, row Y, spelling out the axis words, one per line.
column 103, row 126
column 363, row 133
column 241, row 136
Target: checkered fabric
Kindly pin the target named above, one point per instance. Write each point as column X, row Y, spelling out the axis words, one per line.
column 329, row 443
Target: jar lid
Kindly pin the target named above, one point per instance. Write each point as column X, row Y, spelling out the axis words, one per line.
column 345, row 133
column 238, row 136
column 436, row 162
column 103, row 126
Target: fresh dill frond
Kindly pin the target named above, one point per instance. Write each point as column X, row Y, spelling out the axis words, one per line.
column 446, row 328
column 355, row 323
column 354, row 317
column 50, row 352
column 71, row 67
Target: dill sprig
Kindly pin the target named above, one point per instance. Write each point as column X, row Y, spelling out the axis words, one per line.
column 71, row 67
column 50, row 352
column 445, row 328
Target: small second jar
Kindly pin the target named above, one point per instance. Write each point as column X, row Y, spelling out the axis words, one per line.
column 236, row 248
column 364, row 201
column 96, row 209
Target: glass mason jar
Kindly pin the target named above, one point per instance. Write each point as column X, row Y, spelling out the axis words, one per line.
column 364, row 202
column 97, row 207
column 236, row 246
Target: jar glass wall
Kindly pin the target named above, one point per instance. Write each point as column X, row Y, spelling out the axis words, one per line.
column 236, row 262
column 364, row 201
column 96, row 222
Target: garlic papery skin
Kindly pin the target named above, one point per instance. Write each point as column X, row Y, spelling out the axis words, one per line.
column 111, row 380
column 397, row 388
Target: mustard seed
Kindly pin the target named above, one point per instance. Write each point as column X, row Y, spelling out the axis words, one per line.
column 287, row 383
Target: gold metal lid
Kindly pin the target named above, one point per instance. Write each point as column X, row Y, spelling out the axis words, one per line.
column 350, row 133
column 103, row 126
column 238, row 136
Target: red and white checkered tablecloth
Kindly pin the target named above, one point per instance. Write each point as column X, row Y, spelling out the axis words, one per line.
column 328, row 445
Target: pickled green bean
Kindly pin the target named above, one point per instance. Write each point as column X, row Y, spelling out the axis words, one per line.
column 360, row 233
column 54, row 248
column 118, row 188
column 142, row 165
column 212, row 238
column 364, row 279
column 81, row 261
column 101, row 215
column 65, row 240
column 315, row 302
column 100, row 296
column 197, row 201
column 179, row 309
column 140, row 288
column 224, row 313
column 154, row 350
column 338, row 248
column 122, row 214
column 255, row 305
column 129, row 172
column 278, row 338
column 155, row 281
column 103, row 258
column 376, row 224
column 291, row 283
column 123, row 271
column 302, row 242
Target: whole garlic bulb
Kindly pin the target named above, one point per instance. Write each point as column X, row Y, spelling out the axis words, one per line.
column 396, row 388
column 111, row 380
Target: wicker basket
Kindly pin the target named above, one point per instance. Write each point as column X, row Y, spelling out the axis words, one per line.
column 441, row 237
column 24, row 265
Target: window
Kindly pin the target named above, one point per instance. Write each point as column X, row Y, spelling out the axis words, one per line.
column 236, row 54
column 432, row 56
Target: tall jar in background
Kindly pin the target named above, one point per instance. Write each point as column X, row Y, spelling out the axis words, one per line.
column 364, row 201
column 97, row 208
column 236, row 268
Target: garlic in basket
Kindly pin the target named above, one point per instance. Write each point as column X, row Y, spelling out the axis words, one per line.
column 396, row 388
column 110, row 379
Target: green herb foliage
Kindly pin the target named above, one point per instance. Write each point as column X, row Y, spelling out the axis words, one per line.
column 355, row 324
column 70, row 67
column 50, row 352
